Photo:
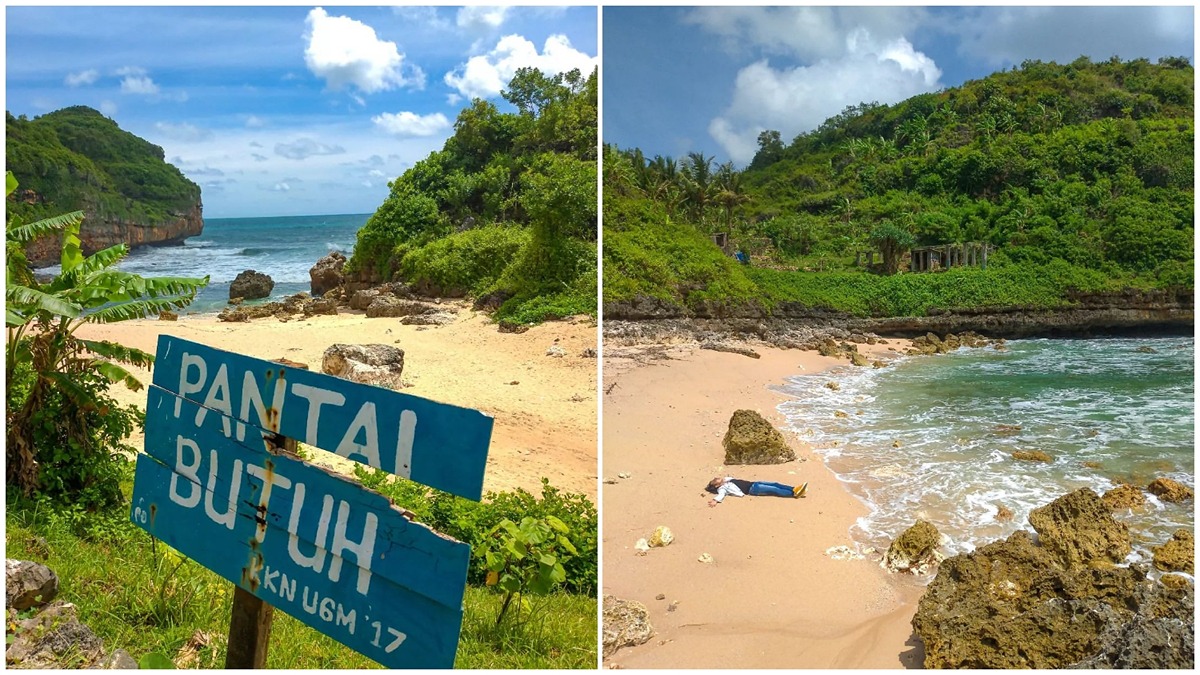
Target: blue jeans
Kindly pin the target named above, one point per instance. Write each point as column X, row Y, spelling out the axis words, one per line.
column 761, row 488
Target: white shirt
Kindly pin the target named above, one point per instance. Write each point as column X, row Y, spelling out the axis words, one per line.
column 728, row 488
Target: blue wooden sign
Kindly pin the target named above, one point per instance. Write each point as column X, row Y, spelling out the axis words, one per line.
column 319, row 546
column 439, row 445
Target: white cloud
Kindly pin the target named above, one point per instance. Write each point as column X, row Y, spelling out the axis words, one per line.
column 254, row 122
column 346, row 52
column 81, row 78
column 477, row 18
column 1009, row 35
column 304, row 147
column 805, row 32
column 412, row 124
column 282, row 187
column 792, row 100
column 485, row 76
column 108, row 108
column 183, row 131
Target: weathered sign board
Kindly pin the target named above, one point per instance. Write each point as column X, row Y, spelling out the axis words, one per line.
column 316, row 545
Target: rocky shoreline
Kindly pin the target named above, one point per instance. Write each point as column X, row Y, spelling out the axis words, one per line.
column 791, row 325
column 97, row 233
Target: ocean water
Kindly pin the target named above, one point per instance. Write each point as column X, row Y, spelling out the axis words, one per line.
column 932, row 437
column 284, row 247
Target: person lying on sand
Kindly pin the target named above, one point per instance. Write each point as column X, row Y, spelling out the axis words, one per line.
column 740, row 488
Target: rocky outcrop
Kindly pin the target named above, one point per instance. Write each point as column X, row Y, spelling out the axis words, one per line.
column 251, row 285
column 1178, row 554
column 1031, row 456
column 1170, row 490
column 915, row 551
column 391, row 306
column 1124, row 496
column 327, row 275
column 791, row 324
column 364, row 363
column 752, row 440
column 98, row 233
column 28, row 584
column 1057, row 602
column 626, row 624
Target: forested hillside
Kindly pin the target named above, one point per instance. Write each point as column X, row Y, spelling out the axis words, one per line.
column 506, row 211
column 78, row 159
column 1079, row 173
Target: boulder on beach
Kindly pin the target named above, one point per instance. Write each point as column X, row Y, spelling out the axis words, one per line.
column 752, row 440
column 1057, row 602
column 915, row 550
column 1124, row 496
column 363, row 363
column 1079, row 527
column 251, row 285
column 362, row 299
column 391, row 306
column 320, row 306
column 1170, row 490
column 1178, row 554
column 326, row 275
column 626, row 624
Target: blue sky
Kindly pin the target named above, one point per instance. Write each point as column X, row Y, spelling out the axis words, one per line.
column 285, row 110
column 710, row 79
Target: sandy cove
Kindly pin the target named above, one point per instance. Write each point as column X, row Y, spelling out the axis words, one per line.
column 772, row 598
column 544, row 406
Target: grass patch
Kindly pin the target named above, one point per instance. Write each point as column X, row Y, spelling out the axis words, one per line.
column 141, row 596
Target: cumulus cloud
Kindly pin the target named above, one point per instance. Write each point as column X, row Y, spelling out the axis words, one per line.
column 346, row 53
column 476, row 18
column 808, row 33
column 793, row 100
column 82, row 78
column 134, row 80
column 408, row 124
column 108, row 108
column 254, row 122
column 303, row 148
column 486, row 75
column 183, row 131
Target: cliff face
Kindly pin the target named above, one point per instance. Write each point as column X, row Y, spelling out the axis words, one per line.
column 98, row 234
column 1091, row 314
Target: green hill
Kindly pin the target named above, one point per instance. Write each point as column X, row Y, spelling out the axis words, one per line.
column 1081, row 174
column 505, row 212
column 76, row 158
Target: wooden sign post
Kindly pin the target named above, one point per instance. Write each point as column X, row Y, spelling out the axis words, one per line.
column 214, row 485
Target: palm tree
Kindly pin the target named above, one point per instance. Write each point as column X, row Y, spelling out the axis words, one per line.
column 697, row 184
column 729, row 193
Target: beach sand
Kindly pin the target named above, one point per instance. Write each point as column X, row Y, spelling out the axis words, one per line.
column 772, row 598
column 544, row 406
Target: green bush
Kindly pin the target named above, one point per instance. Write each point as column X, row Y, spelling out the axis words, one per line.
column 466, row 262
column 471, row 522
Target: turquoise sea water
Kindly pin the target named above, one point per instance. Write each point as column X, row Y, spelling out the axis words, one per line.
column 932, row 437
column 284, row 247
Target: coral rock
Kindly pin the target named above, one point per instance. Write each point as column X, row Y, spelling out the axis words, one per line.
column 1169, row 490
column 1124, row 496
column 626, row 624
column 915, row 550
column 752, row 440
column 1178, row 554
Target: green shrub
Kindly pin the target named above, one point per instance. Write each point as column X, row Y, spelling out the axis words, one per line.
column 465, row 262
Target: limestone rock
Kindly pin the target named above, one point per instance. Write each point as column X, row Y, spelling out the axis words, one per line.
column 435, row 319
column 168, row 315
column 556, row 351
column 1003, row 513
column 53, row 638
column 732, row 349
column 706, row 559
column 626, row 624
column 1124, row 496
column 1032, row 456
column 251, row 285
column 752, row 440
column 363, row 299
column 1170, row 490
column 858, row 359
column 662, row 536
column 915, row 550
column 28, row 584
column 1178, row 554
column 833, row 386
column 321, row 306
column 1159, row 636
column 1080, row 528
column 326, row 275
column 363, row 363
column 391, row 306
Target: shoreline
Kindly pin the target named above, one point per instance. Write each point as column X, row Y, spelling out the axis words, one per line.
column 772, row 576
column 544, row 407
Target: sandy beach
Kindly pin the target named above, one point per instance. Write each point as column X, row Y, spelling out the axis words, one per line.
column 772, row 598
column 544, row 406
